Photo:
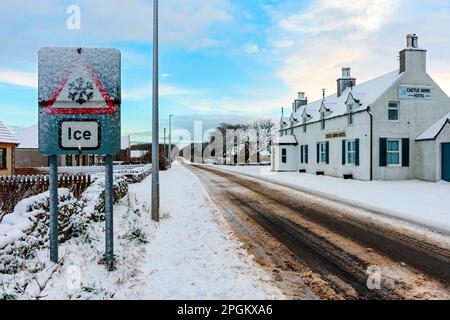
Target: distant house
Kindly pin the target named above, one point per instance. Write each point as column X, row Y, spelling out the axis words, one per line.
column 124, row 155
column 138, row 156
column 28, row 155
column 8, row 144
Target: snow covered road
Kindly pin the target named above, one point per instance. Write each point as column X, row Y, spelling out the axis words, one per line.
column 188, row 255
column 419, row 202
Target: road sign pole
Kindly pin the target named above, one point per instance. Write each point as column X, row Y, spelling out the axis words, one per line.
column 109, row 233
column 155, row 117
column 53, row 162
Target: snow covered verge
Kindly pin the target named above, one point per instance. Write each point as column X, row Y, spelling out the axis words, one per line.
column 188, row 255
column 418, row 202
column 24, row 236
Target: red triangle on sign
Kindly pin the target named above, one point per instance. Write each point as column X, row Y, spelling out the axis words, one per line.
column 80, row 92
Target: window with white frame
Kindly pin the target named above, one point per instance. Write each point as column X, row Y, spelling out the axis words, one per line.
column 393, row 152
column 322, row 120
column 284, row 155
column 304, row 125
column 393, row 111
column 323, row 152
column 350, row 152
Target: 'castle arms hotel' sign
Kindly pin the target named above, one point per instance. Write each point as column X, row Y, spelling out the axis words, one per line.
column 414, row 92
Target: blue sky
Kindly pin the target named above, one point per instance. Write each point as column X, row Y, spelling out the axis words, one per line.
column 220, row 60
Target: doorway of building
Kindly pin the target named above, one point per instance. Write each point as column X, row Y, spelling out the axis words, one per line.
column 446, row 162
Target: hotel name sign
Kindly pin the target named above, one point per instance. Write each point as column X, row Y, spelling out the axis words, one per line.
column 415, row 92
column 333, row 135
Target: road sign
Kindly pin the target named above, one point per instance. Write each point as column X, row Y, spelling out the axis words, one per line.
column 79, row 113
column 79, row 101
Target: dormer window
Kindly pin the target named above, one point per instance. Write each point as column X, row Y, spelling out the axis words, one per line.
column 304, row 125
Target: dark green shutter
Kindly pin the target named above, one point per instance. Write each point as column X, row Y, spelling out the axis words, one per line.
column 357, row 152
column 301, row 154
column 383, row 152
column 405, row 152
column 343, row 152
column 306, row 153
column 328, row 151
column 318, row 152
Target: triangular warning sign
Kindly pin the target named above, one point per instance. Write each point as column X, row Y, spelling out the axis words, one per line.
column 80, row 92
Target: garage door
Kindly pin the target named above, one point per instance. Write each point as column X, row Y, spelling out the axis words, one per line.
column 446, row 161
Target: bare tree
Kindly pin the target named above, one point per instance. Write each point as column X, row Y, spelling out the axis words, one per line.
column 263, row 132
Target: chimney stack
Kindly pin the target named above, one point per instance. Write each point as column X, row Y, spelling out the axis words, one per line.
column 345, row 81
column 412, row 58
column 300, row 101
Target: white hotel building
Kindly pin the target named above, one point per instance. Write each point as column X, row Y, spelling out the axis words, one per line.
column 394, row 127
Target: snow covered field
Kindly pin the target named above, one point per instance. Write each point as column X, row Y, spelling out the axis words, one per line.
column 424, row 203
column 188, row 255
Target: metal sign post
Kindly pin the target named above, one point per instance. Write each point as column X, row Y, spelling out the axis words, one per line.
column 53, row 161
column 79, row 114
column 109, row 233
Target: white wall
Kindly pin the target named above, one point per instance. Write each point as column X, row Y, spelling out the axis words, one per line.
column 429, row 156
column 292, row 158
column 314, row 134
column 415, row 117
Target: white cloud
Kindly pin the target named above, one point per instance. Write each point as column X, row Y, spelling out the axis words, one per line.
column 19, row 78
column 251, row 48
column 331, row 34
column 281, row 44
column 145, row 92
column 336, row 16
column 165, row 76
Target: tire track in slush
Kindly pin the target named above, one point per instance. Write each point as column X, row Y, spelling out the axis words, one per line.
column 334, row 264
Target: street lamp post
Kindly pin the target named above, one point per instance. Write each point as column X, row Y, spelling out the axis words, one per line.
column 155, row 119
column 170, row 140
column 165, row 145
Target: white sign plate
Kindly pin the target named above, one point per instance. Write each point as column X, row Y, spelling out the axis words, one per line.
column 415, row 92
column 79, row 135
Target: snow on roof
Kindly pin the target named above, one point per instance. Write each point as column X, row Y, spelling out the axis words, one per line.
column 366, row 93
column 432, row 132
column 6, row 136
column 28, row 138
column 285, row 140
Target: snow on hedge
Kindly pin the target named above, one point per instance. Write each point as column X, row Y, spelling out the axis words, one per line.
column 25, row 232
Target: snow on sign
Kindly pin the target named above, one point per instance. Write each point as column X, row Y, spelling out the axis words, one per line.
column 79, row 101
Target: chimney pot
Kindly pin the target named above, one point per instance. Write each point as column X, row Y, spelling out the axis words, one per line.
column 409, row 41
column 346, row 72
column 415, row 41
column 301, row 96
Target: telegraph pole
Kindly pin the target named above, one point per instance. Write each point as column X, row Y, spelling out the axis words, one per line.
column 155, row 117
column 170, row 141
